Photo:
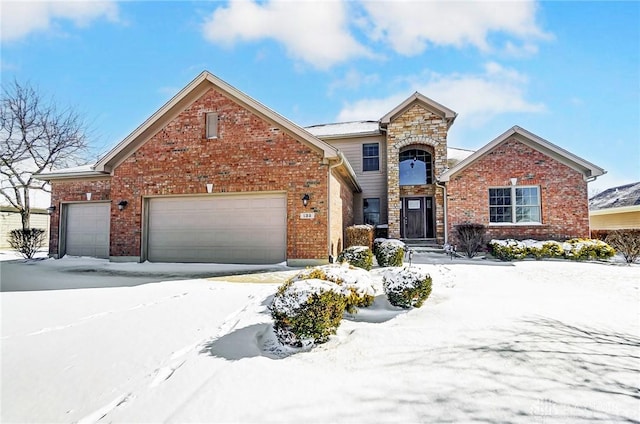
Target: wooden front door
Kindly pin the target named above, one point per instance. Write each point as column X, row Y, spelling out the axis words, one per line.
column 414, row 217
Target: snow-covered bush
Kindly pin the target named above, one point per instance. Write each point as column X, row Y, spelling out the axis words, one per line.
column 306, row 312
column 389, row 252
column 587, row 249
column 359, row 235
column 359, row 256
column 356, row 283
column 27, row 242
column 627, row 242
column 406, row 287
column 470, row 238
column 507, row 250
column 576, row 249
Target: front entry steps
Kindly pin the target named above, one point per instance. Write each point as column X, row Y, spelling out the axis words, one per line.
column 423, row 245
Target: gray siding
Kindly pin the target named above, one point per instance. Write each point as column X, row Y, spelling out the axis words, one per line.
column 373, row 183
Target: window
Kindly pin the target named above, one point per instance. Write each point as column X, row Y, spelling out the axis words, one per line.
column 415, row 167
column 212, row 125
column 514, row 205
column 370, row 157
column 371, row 211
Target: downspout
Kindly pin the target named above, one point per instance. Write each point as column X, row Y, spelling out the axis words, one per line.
column 331, row 167
column 444, row 194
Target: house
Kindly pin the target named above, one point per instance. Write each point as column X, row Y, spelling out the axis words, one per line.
column 215, row 176
column 616, row 208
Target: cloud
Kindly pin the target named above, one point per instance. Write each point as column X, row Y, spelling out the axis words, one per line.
column 476, row 97
column 353, row 80
column 315, row 32
column 21, row 18
column 410, row 27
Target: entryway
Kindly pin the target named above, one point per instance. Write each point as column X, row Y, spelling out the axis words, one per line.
column 416, row 218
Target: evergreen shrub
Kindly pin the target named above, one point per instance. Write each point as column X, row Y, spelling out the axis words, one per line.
column 359, row 256
column 406, row 287
column 307, row 312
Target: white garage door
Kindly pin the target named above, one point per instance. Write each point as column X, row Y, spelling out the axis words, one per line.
column 222, row 229
column 87, row 229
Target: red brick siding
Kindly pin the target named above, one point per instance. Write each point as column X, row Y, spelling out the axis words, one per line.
column 249, row 155
column 563, row 193
column 73, row 191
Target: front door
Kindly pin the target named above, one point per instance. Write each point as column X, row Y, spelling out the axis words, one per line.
column 417, row 217
column 414, row 222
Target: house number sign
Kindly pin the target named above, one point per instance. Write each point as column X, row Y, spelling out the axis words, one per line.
column 307, row 215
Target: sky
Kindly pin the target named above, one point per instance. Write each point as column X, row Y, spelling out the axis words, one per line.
column 568, row 71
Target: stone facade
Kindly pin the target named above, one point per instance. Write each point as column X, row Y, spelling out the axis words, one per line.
column 421, row 128
column 563, row 193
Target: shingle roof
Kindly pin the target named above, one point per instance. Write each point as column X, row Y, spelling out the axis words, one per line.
column 616, row 197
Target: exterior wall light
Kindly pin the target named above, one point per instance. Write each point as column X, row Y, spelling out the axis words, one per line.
column 51, row 209
column 305, row 199
column 122, row 204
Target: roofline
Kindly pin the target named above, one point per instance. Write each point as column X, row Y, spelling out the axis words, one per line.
column 181, row 100
column 62, row 175
column 619, row 209
column 350, row 135
column 588, row 169
column 447, row 113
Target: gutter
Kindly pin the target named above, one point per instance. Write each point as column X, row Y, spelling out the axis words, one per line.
column 446, row 226
column 331, row 168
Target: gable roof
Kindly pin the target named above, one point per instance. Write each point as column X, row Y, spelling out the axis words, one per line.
column 426, row 102
column 188, row 95
column 588, row 169
column 194, row 90
column 624, row 196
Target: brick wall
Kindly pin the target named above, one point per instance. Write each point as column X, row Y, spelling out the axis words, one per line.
column 563, row 193
column 73, row 191
column 250, row 154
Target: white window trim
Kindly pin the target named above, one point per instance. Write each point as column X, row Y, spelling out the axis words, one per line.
column 513, row 208
column 363, row 157
column 208, row 117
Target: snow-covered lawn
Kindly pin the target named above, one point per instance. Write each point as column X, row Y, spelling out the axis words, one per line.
column 546, row 341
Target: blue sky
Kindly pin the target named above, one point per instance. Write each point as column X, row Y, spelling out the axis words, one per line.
column 567, row 71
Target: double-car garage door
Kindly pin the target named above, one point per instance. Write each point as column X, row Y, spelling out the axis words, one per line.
column 223, row 229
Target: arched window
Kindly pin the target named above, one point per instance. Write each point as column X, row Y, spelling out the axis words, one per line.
column 415, row 167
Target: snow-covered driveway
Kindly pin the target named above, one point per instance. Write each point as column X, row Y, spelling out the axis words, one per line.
column 533, row 342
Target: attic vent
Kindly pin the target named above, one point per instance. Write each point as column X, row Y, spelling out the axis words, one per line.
column 212, row 125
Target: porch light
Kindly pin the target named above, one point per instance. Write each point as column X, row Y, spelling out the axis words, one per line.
column 122, row 204
column 51, row 209
column 305, row 199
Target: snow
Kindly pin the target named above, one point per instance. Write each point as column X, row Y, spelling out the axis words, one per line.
column 344, row 128
column 533, row 341
column 625, row 195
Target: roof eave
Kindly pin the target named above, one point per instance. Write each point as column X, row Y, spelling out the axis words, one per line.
column 588, row 169
column 187, row 95
column 53, row 176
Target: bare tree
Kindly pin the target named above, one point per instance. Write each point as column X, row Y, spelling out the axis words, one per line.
column 35, row 136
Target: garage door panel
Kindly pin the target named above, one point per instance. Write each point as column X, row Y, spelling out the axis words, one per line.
column 233, row 229
column 87, row 229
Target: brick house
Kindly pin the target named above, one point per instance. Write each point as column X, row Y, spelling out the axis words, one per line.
column 215, row 176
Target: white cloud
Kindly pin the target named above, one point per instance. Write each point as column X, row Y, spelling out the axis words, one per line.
column 476, row 97
column 315, row 32
column 21, row 18
column 353, row 80
column 409, row 27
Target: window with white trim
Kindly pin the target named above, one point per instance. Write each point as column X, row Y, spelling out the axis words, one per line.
column 371, row 211
column 212, row 125
column 514, row 205
column 371, row 157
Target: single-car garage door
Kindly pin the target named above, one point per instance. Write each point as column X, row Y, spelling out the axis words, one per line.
column 223, row 229
column 87, row 229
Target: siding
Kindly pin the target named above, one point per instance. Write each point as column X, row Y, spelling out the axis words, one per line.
column 373, row 183
column 615, row 221
column 11, row 220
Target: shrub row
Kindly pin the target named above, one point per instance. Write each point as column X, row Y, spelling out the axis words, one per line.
column 576, row 249
column 309, row 307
